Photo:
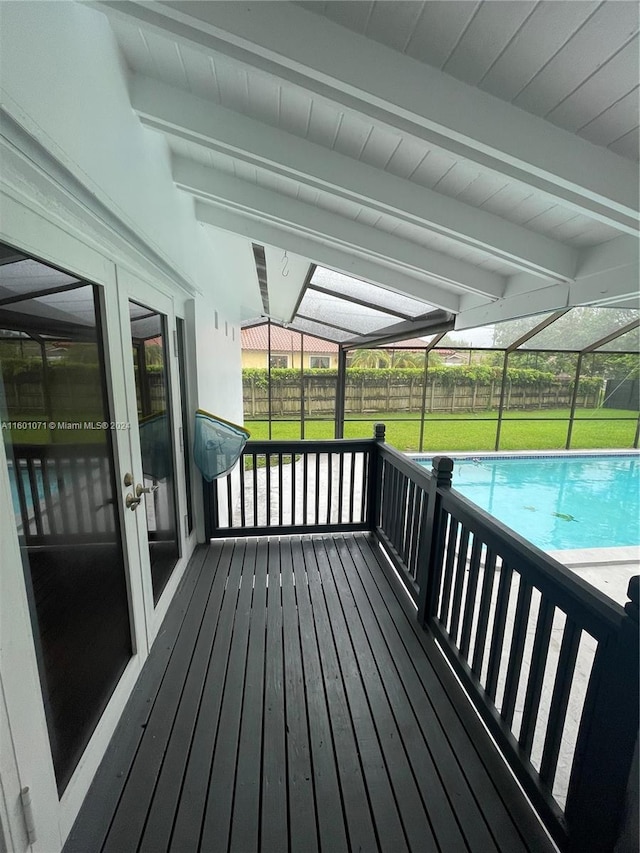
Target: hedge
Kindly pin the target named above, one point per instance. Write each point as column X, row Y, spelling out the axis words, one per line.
column 448, row 376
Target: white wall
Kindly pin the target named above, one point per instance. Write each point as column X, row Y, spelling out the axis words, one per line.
column 218, row 349
column 63, row 79
column 218, row 366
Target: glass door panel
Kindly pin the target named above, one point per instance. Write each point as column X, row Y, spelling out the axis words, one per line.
column 182, row 367
column 57, row 430
column 157, row 492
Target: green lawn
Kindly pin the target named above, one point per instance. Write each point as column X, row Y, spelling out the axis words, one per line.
column 534, row 430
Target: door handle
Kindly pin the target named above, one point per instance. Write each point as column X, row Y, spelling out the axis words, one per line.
column 131, row 502
column 145, row 490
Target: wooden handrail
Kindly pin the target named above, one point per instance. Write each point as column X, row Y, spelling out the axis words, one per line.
column 296, row 497
column 608, row 733
column 572, row 591
column 461, row 551
column 274, row 446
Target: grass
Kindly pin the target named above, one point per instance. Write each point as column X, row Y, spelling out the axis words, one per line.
column 531, row 430
column 544, row 429
column 274, row 461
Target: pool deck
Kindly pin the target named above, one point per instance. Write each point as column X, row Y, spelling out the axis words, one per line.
column 509, row 454
column 607, row 569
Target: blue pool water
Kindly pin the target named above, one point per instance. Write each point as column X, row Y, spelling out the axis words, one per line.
column 53, row 486
column 557, row 502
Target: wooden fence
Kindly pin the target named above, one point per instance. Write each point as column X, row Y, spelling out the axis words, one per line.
column 389, row 394
column 26, row 395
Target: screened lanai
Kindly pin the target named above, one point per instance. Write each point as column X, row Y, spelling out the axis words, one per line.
column 566, row 379
column 466, row 164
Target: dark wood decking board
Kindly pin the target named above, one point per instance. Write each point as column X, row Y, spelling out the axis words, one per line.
column 294, row 706
column 89, row 832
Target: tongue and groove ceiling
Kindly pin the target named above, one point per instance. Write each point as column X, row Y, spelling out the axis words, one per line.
column 479, row 156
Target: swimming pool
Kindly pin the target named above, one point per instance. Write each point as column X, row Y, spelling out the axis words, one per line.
column 558, row 502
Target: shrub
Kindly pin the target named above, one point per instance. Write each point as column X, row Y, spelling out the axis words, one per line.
column 444, row 375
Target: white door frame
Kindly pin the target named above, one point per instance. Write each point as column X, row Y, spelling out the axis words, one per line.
column 19, row 675
column 26, row 758
column 134, row 288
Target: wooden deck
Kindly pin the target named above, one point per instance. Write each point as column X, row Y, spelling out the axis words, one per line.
column 291, row 704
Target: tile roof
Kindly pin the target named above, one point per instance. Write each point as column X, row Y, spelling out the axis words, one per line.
column 283, row 340
column 286, row 340
column 412, row 343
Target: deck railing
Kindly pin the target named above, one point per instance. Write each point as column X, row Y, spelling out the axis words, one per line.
column 541, row 654
column 402, row 515
column 550, row 663
column 62, row 493
column 294, row 487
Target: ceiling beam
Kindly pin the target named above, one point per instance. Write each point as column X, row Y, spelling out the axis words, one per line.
column 286, row 278
column 327, row 60
column 210, row 184
column 344, row 260
column 523, row 305
column 607, row 274
column 437, row 321
column 608, row 256
column 609, row 287
column 225, row 131
column 519, row 283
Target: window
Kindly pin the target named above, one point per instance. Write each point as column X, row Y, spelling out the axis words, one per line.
column 322, row 361
column 279, row 361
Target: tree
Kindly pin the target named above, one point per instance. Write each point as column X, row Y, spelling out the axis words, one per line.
column 368, row 358
column 611, row 365
column 407, row 358
column 555, row 346
column 572, row 332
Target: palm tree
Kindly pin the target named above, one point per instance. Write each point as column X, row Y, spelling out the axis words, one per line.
column 368, row 358
column 407, row 358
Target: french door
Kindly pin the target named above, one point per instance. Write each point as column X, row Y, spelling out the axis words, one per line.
column 92, row 494
column 62, row 461
column 155, row 487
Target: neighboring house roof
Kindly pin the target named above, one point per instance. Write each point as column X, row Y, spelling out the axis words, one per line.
column 286, row 340
column 283, row 340
column 412, row 343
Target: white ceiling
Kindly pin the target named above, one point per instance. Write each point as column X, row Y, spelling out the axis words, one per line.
column 324, row 129
column 572, row 63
